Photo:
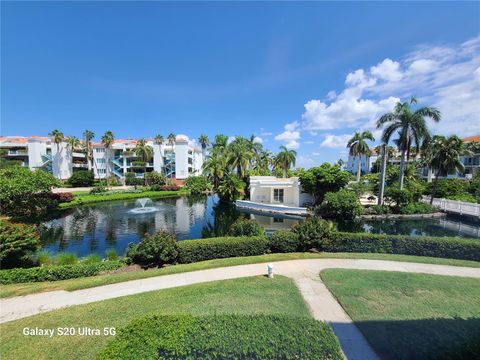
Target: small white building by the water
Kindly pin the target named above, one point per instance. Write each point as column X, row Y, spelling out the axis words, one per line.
column 278, row 195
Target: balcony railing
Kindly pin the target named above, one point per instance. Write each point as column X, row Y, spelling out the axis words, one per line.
column 18, row 152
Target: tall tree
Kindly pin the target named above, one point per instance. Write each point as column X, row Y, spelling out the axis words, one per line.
column 204, row 142
column 107, row 141
column 221, row 141
column 239, row 155
column 410, row 125
column 158, row 139
column 359, row 147
column 214, row 168
column 72, row 143
column 57, row 136
column 171, row 139
column 285, row 159
column 145, row 153
column 88, row 137
column 445, row 157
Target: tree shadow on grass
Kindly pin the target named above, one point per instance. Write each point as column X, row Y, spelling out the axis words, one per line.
column 423, row 339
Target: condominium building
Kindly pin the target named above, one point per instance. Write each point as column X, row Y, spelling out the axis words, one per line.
column 178, row 160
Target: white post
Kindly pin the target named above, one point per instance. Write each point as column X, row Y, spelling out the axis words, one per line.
column 270, row 270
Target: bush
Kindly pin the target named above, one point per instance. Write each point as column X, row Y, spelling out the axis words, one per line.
column 82, row 178
column 92, row 259
column 312, row 233
column 111, row 254
column 465, row 198
column 64, row 197
column 454, row 248
column 66, row 259
column 448, row 187
column 246, row 227
column 197, row 184
column 54, row 273
column 343, row 204
column 377, row 210
column 224, row 337
column 132, row 180
column 169, row 188
column 17, row 241
column 190, row 251
column 43, row 258
column 156, row 250
column 155, row 178
column 98, row 189
column 21, row 192
column 418, row 208
column 284, row 241
column 399, row 197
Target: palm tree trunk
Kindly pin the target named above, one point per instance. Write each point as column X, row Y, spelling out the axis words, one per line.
column 284, row 170
column 402, row 169
column 434, row 189
column 359, row 168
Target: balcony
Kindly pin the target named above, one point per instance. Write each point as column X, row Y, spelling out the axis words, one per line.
column 80, row 165
column 17, row 152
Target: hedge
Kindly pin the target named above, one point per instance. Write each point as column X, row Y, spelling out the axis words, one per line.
column 54, row 273
column 221, row 247
column 446, row 247
column 224, row 337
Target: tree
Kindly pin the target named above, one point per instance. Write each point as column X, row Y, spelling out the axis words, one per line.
column 319, row 180
column 230, row 188
column 410, row 125
column 445, row 157
column 57, row 136
column 358, row 147
column 221, row 141
column 145, row 153
column 214, row 168
column 285, row 159
column 341, row 205
column 107, row 141
column 17, row 242
column 158, row 139
column 340, row 162
column 204, row 142
column 171, row 139
column 72, row 142
column 239, row 155
column 88, row 137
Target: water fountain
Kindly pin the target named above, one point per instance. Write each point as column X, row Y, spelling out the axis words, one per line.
column 141, row 207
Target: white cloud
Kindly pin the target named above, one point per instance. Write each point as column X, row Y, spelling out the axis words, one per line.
column 264, row 132
column 305, row 161
column 258, row 140
column 387, row 70
column 336, row 141
column 332, row 94
column 230, row 139
column 290, row 136
column 309, row 142
column 313, row 133
column 422, row 66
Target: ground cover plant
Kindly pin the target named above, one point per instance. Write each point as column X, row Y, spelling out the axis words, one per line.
column 245, row 296
column 224, row 337
column 411, row 316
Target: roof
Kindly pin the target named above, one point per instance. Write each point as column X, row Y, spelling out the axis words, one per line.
column 21, row 140
column 474, row 138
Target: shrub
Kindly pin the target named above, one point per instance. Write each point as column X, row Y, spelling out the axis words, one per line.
column 43, row 258
column 156, row 178
column 418, row 208
column 197, row 184
column 17, row 241
column 54, row 273
column 448, row 187
column 190, row 251
column 465, row 198
column 343, row 204
column 224, row 337
column 377, row 210
column 284, row 241
column 92, row 259
column 399, row 197
column 98, row 189
column 169, row 188
column 66, row 259
column 156, row 250
column 111, row 254
column 21, row 192
column 246, row 227
column 312, row 233
column 455, row 248
column 82, row 178
column 132, row 180
column 64, row 197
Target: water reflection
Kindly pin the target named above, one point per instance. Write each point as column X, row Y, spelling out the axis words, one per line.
column 98, row 227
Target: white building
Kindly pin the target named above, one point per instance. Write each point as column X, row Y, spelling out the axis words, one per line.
column 366, row 163
column 176, row 161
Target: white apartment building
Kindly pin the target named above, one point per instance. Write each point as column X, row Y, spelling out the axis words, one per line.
column 366, row 163
column 176, row 161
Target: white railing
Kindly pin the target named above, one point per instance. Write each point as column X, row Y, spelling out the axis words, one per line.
column 271, row 208
column 456, row 207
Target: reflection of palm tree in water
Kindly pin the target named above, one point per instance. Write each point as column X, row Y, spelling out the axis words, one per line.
column 224, row 215
column 111, row 226
column 146, row 226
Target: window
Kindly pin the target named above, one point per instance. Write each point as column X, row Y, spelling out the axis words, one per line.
column 278, row 195
column 102, row 171
column 100, row 150
column 100, row 161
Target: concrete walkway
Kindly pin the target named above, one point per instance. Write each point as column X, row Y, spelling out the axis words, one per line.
column 305, row 273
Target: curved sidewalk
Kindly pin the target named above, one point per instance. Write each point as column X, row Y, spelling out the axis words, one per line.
column 305, row 273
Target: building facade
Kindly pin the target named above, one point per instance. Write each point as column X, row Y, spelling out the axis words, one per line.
column 177, row 161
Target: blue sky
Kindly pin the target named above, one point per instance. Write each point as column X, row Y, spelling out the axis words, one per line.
column 302, row 74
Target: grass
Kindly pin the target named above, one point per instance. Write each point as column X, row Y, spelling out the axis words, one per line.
column 89, row 282
column 256, row 295
column 81, row 199
column 411, row 316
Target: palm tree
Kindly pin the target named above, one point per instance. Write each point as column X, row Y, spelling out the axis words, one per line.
column 445, row 157
column 239, row 155
column 171, row 139
column 230, row 188
column 57, row 136
column 88, row 136
column 285, row 159
column 221, row 141
column 340, row 162
column 204, row 142
column 358, row 147
column 411, row 126
column 158, row 139
column 145, row 153
column 214, row 167
column 107, row 141
column 72, row 143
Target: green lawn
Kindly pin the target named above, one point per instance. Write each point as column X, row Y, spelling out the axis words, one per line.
column 256, row 295
column 88, row 282
column 80, row 199
column 411, row 316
